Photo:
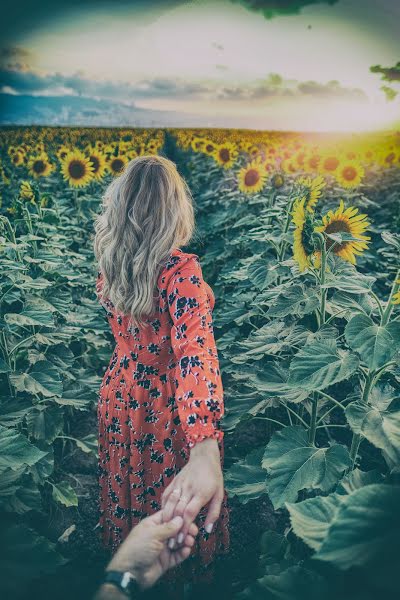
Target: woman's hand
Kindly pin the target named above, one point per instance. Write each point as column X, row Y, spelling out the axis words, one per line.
column 200, row 481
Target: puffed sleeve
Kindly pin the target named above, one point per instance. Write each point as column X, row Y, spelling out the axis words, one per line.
column 199, row 392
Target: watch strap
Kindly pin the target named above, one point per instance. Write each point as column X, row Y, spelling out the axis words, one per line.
column 125, row 581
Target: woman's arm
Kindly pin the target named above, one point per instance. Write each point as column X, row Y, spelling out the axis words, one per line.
column 199, row 398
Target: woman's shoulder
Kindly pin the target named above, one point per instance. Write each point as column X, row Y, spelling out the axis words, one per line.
column 180, row 261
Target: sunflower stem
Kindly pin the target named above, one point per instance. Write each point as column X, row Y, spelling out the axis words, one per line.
column 313, row 424
column 322, row 279
column 390, row 305
column 282, row 249
column 357, row 437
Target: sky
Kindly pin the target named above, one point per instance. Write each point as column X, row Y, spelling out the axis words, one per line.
column 304, row 66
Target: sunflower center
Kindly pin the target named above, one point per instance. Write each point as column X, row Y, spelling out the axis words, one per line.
column 336, row 227
column 331, row 163
column 252, row 177
column 349, row 173
column 76, row 169
column 313, row 162
column 117, row 165
column 224, row 154
column 39, row 166
column 95, row 162
column 209, row 147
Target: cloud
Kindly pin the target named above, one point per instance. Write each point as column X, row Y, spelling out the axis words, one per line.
column 274, row 85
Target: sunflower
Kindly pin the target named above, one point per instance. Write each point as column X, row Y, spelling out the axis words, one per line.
column 311, row 162
column 277, row 180
column 197, row 144
column 349, row 173
column 289, row 166
column 345, row 221
column 26, row 192
column 328, row 163
column 99, row 163
column 313, row 190
column 17, row 159
column 39, row 165
column 62, row 151
column 302, row 245
column 116, row 164
column 252, row 177
column 209, row 147
column 225, row 154
column 77, row 169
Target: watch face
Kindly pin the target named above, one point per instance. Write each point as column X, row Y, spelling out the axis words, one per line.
column 126, row 579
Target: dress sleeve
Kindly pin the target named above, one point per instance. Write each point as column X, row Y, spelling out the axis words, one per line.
column 199, row 392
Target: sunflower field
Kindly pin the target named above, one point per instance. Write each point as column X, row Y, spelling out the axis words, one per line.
column 298, row 235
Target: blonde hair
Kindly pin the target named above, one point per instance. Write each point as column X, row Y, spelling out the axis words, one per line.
column 147, row 212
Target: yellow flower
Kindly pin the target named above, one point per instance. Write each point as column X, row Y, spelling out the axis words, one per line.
column 77, row 169
column 313, row 190
column 225, row 154
column 252, row 177
column 349, row 173
column 302, row 245
column 328, row 163
column 26, row 191
column 39, row 165
column 345, row 221
column 116, row 164
column 277, row 180
column 99, row 163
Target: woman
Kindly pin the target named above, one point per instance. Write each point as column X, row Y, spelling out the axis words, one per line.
column 161, row 397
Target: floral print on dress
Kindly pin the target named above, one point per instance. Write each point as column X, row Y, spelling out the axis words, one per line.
column 160, row 395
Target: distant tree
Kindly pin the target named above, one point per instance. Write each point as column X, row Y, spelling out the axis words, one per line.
column 388, row 74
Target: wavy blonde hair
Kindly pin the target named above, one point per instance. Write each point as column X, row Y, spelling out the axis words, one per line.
column 147, row 212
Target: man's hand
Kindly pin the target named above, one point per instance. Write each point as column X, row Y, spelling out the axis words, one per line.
column 145, row 552
column 199, row 482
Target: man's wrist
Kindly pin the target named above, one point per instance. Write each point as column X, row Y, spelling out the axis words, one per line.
column 109, row 591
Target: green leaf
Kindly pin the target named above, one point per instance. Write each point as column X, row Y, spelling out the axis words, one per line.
column 320, row 364
column 357, row 479
column 365, row 529
column 293, row 301
column 357, row 529
column 43, row 378
column 88, row 444
column 30, row 316
column 24, row 554
column 64, row 493
column 272, row 381
column 246, row 478
column 381, row 428
column 375, row 344
column 293, row 465
column 311, row 518
column 45, row 423
column 16, row 450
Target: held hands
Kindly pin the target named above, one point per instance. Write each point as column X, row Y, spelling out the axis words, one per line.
column 199, row 482
column 145, row 552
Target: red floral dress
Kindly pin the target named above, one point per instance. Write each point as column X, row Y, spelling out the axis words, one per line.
column 161, row 393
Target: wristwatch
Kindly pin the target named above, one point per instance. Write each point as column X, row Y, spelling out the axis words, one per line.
column 125, row 581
